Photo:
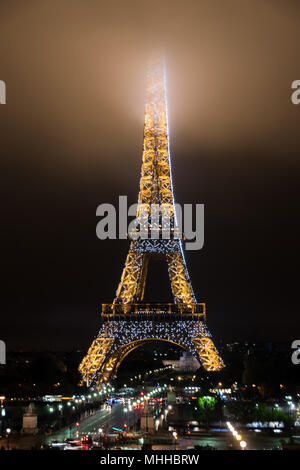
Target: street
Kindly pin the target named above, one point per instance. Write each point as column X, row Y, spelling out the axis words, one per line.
column 115, row 417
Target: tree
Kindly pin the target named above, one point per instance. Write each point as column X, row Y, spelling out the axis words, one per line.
column 209, row 410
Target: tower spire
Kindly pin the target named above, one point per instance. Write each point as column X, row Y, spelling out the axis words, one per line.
column 156, row 179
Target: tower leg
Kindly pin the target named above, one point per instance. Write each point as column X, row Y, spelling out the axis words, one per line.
column 207, row 354
column 180, row 282
column 94, row 359
column 130, row 279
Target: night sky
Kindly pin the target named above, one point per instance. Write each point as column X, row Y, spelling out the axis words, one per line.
column 71, row 139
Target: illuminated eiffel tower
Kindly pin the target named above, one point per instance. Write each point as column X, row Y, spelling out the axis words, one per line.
column 127, row 323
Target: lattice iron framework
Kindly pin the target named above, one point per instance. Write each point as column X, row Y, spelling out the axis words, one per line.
column 117, row 338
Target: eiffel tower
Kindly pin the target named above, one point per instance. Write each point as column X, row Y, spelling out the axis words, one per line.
column 127, row 323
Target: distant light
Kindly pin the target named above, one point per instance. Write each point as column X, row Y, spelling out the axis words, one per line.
column 243, row 444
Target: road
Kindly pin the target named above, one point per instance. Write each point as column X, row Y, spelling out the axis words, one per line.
column 116, row 417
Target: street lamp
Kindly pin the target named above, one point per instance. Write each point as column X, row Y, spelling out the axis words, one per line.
column 8, row 431
column 126, row 411
column 147, row 410
column 243, row 444
column 2, row 398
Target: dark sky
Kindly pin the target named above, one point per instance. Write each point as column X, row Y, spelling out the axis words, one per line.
column 71, row 139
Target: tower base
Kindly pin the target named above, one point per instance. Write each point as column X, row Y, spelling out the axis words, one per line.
column 122, row 334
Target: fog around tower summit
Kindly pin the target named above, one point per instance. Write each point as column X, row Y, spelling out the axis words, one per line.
column 76, row 74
